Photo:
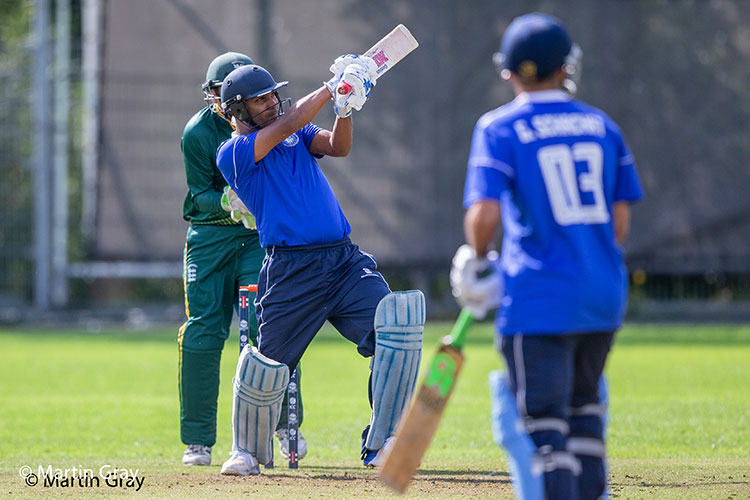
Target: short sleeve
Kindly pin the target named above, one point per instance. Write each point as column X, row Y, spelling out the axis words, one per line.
column 628, row 185
column 489, row 171
column 235, row 155
column 308, row 132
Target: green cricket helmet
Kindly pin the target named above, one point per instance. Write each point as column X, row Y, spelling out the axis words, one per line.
column 221, row 66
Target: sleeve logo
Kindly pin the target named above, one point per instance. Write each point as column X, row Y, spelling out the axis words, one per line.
column 291, row 141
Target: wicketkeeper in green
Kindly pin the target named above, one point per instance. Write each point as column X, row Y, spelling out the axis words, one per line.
column 221, row 254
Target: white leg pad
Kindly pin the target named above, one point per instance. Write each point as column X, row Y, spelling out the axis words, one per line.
column 399, row 322
column 259, row 386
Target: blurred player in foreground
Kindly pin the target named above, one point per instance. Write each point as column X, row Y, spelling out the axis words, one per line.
column 559, row 175
column 312, row 272
column 221, row 253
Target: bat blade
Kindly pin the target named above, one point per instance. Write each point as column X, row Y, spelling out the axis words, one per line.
column 420, row 422
column 388, row 52
column 392, row 48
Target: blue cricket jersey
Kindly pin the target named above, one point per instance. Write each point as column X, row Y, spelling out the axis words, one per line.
column 556, row 166
column 286, row 191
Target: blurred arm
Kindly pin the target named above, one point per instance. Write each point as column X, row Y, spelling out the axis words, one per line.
column 480, row 225
column 621, row 220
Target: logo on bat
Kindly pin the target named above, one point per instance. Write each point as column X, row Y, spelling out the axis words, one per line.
column 380, row 58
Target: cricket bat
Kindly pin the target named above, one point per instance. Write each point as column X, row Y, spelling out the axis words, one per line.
column 388, row 52
column 420, row 422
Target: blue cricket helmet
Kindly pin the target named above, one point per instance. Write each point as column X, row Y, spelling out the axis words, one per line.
column 534, row 46
column 244, row 83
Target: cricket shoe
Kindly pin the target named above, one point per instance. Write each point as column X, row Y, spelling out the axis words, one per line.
column 375, row 458
column 240, row 464
column 283, row 436
column 197, row 454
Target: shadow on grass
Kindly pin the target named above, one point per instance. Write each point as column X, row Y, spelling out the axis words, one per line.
column 686, row 484
column 432, row 475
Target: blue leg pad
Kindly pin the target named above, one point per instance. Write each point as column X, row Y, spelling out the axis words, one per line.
column 399, row 321
column 508, row 432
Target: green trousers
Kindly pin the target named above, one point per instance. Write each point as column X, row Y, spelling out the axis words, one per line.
column 217, row 261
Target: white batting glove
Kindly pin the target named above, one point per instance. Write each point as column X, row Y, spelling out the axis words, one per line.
column 475, row 282
column 341, row 62
column 342, row 112
column 357, row 78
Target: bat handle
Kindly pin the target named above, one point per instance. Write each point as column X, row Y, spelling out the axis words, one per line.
column 344, row 88
column 457, row 336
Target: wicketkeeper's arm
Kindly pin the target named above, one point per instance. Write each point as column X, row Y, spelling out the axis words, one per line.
column 199, row 174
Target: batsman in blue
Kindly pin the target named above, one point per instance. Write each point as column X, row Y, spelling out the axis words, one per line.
column 558, row 176
column 312, row 272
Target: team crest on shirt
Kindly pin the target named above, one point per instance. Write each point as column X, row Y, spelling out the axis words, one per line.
column 292, row 140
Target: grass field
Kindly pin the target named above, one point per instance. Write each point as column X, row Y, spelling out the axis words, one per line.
column 680, row 418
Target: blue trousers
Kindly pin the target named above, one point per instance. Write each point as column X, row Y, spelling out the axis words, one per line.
column 301, row 287
column 555, row 381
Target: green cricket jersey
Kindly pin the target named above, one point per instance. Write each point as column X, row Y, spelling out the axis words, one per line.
column 200, row 139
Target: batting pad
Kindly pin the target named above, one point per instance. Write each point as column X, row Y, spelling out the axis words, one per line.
column 259, row 386
column 399, row 321
column 509, row 433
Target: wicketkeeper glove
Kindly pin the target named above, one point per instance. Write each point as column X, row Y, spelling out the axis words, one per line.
column 237, row 210
column 475, row 282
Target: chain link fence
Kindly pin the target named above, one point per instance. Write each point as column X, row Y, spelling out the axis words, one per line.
column 16, row 228
column 672, row 74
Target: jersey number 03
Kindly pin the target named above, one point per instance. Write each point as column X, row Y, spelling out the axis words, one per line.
column 565, row 187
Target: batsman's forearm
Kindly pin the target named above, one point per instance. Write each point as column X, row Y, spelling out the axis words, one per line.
column 297, row 116
column 303, row 111
column 341, row 136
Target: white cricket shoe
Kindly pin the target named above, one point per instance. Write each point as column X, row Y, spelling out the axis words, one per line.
column 197, row 454
column 283, row 436
column 379, row 457
column 240, row 464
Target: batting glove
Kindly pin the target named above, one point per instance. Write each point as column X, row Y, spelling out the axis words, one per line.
column 341, row 62
column 475, row 282
column 342, row 112
column 357, row 77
